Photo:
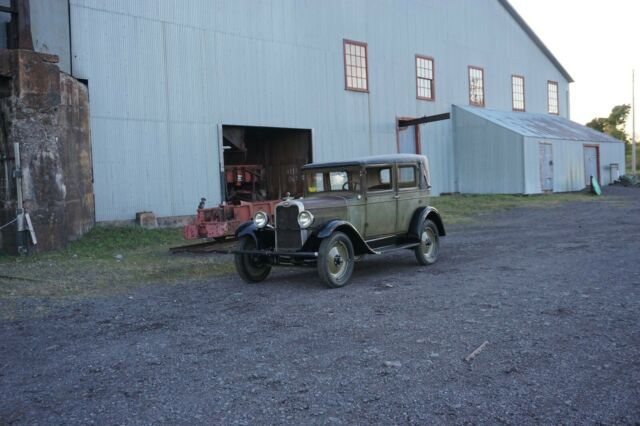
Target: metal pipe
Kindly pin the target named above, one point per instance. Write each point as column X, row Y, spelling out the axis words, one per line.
column 17, row 173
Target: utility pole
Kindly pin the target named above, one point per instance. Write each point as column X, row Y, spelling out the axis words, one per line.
column 633, row 122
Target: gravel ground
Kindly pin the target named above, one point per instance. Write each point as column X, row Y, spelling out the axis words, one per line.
column 555, row 292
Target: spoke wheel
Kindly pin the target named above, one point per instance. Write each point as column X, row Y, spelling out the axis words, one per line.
column 336, row 260
column 429, row 248
column 251, row 268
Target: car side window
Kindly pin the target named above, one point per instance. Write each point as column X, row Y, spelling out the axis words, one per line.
column 379, row 178
column 337, row 180
column 407, row 177
column 316, row 183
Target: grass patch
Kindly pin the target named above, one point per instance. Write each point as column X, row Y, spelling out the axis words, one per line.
column 107, row 260
column 104, row 241
column 112, row 260
column 464, row 208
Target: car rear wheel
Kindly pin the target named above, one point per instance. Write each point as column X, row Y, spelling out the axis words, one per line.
column 429, row 248
column 336, row 260
column 251, row 268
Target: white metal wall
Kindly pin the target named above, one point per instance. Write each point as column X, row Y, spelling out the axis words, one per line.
column 163, row 74
column 568, row 163
column 489, row 158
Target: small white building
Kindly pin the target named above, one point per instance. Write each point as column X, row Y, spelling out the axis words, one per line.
column 507, row 152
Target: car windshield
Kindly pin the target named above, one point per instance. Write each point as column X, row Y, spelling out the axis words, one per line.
column 322, row 181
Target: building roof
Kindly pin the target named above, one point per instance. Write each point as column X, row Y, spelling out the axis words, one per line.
column 373, row 159
column 527, row 29
column 543, row 126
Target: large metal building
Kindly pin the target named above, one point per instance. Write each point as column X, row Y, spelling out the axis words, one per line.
column 179, row 89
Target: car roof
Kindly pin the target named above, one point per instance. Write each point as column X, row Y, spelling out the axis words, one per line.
column 373, row 159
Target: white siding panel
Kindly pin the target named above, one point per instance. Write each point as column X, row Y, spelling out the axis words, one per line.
column 611, row 153
column 568, row 164
column 125, row 178
column 489, row 158
column 568, row 169
column 123, row 61
column 163, row 74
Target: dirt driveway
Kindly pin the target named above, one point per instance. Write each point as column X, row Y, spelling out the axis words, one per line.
column 555, row 292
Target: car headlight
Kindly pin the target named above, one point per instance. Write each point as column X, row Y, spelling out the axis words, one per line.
column 305, row 219
column 261, row 219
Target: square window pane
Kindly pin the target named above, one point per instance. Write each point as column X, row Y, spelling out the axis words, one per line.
column 407, row 177
column 337, row 180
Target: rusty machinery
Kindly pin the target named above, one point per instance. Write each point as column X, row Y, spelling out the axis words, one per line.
column 246, row 195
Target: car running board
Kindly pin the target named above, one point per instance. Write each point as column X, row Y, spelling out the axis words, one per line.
column 394, row 247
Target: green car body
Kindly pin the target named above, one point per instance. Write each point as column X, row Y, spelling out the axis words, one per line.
column 371, row 205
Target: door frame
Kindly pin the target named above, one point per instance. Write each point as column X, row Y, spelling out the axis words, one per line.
column 401, row 129
column 597, row 147
column 390, row 194
column 541, row 168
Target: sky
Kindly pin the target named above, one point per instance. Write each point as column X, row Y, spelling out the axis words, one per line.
column 598, row 43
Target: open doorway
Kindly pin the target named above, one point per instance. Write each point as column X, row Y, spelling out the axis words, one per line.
column 263, row 163
column 407, row 137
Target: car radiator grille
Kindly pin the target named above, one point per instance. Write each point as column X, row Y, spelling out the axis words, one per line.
column 288, row 235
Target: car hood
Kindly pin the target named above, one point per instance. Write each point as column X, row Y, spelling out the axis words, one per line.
column 326, row 207
column 324, row 202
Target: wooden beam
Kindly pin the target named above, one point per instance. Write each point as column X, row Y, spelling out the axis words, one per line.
column 423, row 120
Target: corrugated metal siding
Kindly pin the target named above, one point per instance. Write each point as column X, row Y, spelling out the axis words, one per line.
column 543, row 126
column 568, row 170
column 568, row 163
column 611, row 154
column 163, row 74
column 490, row 159
column 50, row 29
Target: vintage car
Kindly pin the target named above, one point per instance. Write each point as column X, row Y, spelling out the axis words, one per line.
column 371, row 205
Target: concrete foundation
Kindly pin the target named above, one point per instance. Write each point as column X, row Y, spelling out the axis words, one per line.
column 47, row 113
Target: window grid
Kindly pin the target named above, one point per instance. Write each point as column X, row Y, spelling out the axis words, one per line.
column 517, row 91
column 552, row 96
column 425, row 78
column 355, row 66
column 476, row 86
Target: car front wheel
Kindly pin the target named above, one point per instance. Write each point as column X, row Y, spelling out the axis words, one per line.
column 251, row 268
column 429, row 248
column 336, row 260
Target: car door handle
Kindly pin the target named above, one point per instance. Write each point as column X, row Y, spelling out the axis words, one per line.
column 396, row 196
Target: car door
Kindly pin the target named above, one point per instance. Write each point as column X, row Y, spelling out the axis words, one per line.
column 381, row 201
column 408, row 197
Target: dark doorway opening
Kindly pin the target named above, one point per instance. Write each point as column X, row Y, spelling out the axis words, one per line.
column 263, row 163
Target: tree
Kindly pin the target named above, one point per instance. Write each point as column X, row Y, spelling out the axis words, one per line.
column 614, row 124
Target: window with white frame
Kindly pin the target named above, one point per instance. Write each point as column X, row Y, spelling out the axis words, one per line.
column 552, row 96
column 476, row 86
column 355, row 66
column 425, row 78
column 517, row 92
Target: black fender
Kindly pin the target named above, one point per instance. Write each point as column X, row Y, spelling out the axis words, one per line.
column 263, row 237
column 359, row 244
column 420, row 215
